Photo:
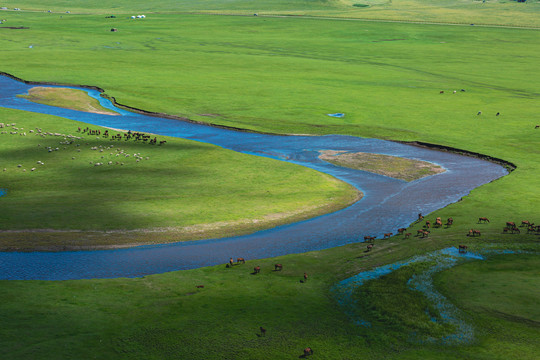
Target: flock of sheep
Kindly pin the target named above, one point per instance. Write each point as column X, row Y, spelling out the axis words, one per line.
column 115, row 156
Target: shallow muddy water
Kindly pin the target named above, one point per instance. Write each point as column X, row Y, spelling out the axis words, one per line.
column 387, row 204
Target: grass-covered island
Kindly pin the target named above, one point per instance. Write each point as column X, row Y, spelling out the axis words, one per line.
column 394, row 76
column 66, row 98
column 392, row 166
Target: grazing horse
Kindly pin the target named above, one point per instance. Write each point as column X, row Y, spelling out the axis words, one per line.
column 511, row 224
column 438, row 222
column 387, row 235
column 305, row 277
column 401, row 231
column 369, row 247
column 526, row 223
column 369, row 238
column 407, row 235
column 428, row 224
column 449, row 221
column 462, row 249
column 506, row 230
column 308, row 351
column 473, row 232
column 200, row 286
column 256, row 269
column 420, row 217
column 516, row 230
column 441, row 92
column 483, row 219
column 278, row 267
column 240, row 260
column 263, row 331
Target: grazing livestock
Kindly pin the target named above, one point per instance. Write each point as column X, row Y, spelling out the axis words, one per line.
column 441, row 92
column 401, row 231
column 510, row 224
column 256, row 269
column 483, row 219
column 387, row 235
column 422, row 233
column 369, row 238
column 438, row 222
column 449, row 222
column 462, row 249
column 278, row 267
column 525, row 223
column 407, row 235
column 240, row 260
column 231, row 263
column 420, row 217
column 369, row 247
column 305, row 277
column 308, row 351
column 200, row 286
column 263, row 331
column 428, row 224
column 473, row 232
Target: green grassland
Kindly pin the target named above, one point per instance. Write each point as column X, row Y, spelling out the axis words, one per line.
column 203, row 191
column 283, row 75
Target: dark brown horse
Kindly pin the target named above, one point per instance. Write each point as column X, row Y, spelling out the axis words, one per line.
column 483, row 219
column 387, row 235
column 401, row 231
column 263, row 331
column 525, row 223
column 278, row 267
column 240, row 260
column 449, row 221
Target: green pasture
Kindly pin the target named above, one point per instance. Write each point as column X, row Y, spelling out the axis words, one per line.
column 280, row 75
column 180, row 190
column 498, row 12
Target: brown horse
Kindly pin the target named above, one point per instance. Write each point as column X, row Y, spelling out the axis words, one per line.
column 525, row 223
column 369, row 238
column 308, row 351
column 369, row 247
column 438, row 222
column 474, row 232
column 407, row 235
column 231, row 263
column 200, row 286
column 256, row 269
column 462, row 249
column 305, row 277
column 278, row 267
column 401, row 231
column 387, row 235
column 483, row 219
column 428, row 224
column 240, row 260
column 510, row 224
column 449, row 221
column 420, row 217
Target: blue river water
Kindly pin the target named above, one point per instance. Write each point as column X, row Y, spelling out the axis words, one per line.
column 387, row 204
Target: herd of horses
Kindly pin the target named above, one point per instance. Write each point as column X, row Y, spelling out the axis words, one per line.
column 136, row 136
column 510, row 227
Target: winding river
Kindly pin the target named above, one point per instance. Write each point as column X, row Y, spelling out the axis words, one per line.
column 387, row 204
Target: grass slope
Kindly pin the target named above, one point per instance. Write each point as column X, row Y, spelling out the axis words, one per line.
column 204, row 191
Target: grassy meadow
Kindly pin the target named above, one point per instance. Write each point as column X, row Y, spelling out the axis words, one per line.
column 280, row 75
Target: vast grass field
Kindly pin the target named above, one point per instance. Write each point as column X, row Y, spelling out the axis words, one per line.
column 283, row 75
